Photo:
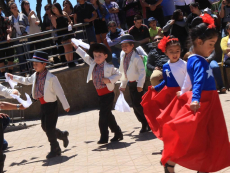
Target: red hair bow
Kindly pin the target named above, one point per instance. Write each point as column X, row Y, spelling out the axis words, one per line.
column 164, row 41
column 208, row 20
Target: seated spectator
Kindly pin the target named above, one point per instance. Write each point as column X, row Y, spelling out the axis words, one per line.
column 195, row 11
column 113, row 8
column 154, row 9
column 131, row 8
column 113, row 38
column 4, row 26
column 155, row 62
column 140, row 32
column 183, row 5
column 34, row 25
column 154, row 30
column 100, row 24
column 84, row 12
column 225, row 46
column 178, row 28
column 224, row 15
column 18, row 31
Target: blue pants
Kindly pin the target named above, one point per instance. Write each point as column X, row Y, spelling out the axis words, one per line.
column 116, row 57
column 217, row 73
column 22, row 58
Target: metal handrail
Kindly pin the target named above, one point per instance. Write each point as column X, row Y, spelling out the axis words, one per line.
column 24, row 43
column 42, row 33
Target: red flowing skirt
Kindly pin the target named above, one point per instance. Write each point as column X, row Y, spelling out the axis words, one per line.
column 196, row 141
column 154, row 103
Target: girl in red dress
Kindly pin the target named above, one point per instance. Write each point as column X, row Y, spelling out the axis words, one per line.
column 158, row 97
column 193, row 126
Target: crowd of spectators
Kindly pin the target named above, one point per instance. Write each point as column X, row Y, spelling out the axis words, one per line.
column 146, row 20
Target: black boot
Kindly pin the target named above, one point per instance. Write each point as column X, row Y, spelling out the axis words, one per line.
column 118, row 136
column 2, row 160
column 54, row 152
column 63, row 135
column 145, row 128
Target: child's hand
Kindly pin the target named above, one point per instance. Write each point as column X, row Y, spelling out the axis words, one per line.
column 178, row 94
column 10, row 76
column 74, row 45
column 139, row 89
column 106, row 80
column 67, row 110
column 2, row 115
column 194, row 106
column 122, row 89
column 15, row 92
column 152, row 88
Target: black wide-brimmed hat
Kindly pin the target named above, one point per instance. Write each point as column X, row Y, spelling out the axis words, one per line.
column 98, row 46
column 128, row 39
column 40, row 56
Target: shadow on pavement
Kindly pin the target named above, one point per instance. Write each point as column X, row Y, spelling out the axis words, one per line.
column 141, row 137
column 113, row 146
column 46, row 162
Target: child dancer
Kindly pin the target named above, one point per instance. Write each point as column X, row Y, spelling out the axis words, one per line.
column 133, row 72
column 158, row 97
column 104, row 77
column 196, row 136
column 46, row 88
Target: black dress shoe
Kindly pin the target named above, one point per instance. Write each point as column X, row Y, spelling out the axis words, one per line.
column 145, row 128
column 117, row 137
column 54, row 153
column 65, row 138
column 102, row 142
column 2, row 163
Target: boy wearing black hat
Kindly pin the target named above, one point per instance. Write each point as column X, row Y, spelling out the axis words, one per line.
column 133, row 73
column 104, row 77
column 46, row 88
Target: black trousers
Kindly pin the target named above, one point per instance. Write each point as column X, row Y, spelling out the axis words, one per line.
column 1, row 138
column 158, row 14
column 136, row 98
column 106, row 118
column 49, row 117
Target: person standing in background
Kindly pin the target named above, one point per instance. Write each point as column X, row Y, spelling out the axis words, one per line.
column 113, row 10
column 34, row 23
column 153, row 9
column 183, row 5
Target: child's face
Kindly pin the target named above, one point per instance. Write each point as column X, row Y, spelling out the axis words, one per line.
column 99, row 57
column 153, row 24
column 173, row 52
column 206, row 48
column 126, row 47
column 39, row 67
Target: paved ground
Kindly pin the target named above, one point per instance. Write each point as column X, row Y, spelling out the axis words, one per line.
column 136, row 153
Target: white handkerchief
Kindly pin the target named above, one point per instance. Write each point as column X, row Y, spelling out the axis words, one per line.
column 11, row 82
column 80, row 43
column 25, row 103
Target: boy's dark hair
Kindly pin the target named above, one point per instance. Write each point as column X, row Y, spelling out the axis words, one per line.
column 176, row 14
column 195, row 4
column 137, row 17
column 111, row 22
column 100, row 49
column 173, row 42
column 201, row 31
